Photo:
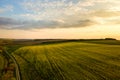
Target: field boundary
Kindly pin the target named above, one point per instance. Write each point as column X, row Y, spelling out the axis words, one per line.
column 17, row 68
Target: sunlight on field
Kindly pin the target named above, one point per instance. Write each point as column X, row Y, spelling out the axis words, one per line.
column 69, row 61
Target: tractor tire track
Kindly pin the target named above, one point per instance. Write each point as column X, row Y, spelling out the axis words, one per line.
column 17, row 68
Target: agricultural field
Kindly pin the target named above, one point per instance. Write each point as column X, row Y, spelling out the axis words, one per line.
column 7, row 67
column 1, row 63
column 69, row 61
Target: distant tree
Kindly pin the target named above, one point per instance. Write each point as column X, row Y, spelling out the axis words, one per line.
column 110, row 39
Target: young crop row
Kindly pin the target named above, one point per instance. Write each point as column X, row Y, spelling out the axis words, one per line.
column 69, row 61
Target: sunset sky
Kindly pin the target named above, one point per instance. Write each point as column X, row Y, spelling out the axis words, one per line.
column 70, row 19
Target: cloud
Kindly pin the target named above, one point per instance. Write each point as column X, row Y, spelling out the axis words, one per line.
column 59, row 9
column 105, row 13
column 9, row 23
column 48, row 9
column 6, row 8
column 106, row 16
column 62, row 14
column 80, row 23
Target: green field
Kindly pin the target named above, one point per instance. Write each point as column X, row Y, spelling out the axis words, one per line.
column 1, row 64
column 69, row 61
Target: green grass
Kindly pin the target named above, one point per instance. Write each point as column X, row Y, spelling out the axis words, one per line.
column 69, row 61
column 109, row 42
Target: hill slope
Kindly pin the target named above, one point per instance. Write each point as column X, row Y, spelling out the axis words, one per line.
column 69, row 61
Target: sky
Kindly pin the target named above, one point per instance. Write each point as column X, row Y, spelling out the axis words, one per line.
column 59, row 19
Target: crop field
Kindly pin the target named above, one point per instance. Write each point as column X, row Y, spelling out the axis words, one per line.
column 1, row 64
column 69, row 61
column 7, row 66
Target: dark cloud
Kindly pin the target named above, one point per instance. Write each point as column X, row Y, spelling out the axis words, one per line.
column 9, row 23
column 80, row 23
